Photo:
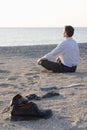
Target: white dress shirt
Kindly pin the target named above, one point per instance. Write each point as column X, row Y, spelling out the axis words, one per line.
column 67, row 51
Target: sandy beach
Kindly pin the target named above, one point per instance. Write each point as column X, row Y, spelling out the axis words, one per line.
column 19, row 73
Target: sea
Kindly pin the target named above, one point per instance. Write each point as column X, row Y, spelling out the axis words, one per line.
column 38, row 36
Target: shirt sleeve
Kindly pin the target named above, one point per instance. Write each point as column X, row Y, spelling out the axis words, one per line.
column 55, row 52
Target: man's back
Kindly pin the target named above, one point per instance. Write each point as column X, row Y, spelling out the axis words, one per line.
column 70, row 52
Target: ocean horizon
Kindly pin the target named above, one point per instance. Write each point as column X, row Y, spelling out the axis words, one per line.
column 38, row 36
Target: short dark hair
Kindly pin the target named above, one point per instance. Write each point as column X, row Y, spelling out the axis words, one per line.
column 69, row 30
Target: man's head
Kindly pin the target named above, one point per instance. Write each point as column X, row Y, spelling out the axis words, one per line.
column 68, row 31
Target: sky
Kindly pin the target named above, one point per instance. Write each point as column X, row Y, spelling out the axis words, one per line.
column 43, row 13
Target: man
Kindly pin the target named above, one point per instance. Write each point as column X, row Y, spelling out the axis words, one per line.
column 66, row 54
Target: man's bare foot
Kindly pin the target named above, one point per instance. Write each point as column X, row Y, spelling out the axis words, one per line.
column 46, row 71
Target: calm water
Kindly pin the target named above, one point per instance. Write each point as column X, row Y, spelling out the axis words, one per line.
column 37, row 36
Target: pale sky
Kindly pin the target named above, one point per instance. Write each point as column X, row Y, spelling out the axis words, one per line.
column 43, row 13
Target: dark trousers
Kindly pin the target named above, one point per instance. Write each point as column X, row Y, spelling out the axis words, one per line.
column 57, row 67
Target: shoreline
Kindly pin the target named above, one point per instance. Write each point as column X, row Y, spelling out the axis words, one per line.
column 34, row 51
column 37, row 45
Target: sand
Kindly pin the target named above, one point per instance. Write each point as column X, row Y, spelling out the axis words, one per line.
column 19, row 73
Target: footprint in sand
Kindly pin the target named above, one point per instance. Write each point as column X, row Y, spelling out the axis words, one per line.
column 2, row 63
column 13, row 78
column 2, row 78
column 4, row 71
column 7, row 85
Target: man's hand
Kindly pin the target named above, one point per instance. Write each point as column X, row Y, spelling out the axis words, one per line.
column 58, row 60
